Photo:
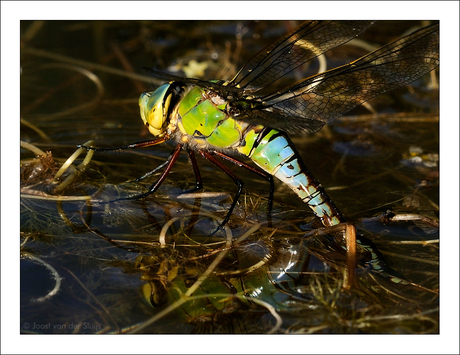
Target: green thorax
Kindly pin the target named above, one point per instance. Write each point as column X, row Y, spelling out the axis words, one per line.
column 203, row 118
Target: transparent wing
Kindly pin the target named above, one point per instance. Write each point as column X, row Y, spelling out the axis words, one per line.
column 307, row 105
column 306, row 42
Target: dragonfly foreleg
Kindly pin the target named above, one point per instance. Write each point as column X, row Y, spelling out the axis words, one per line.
column 169, row 164
column 129, row 146
column 258, row 172
column 196, row 171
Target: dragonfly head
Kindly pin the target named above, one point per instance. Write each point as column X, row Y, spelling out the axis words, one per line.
column 156, row 107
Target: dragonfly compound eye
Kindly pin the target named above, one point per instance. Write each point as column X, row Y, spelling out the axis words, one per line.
column 154, row 109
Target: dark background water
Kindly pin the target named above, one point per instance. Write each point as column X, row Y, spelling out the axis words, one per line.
column 71, row 92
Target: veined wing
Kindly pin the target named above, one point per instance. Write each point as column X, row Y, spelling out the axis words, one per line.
column 306, row 42
column 307, row 105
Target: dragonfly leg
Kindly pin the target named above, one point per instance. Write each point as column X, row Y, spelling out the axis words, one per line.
column 239, row 183
column 258, row 172
column 169, row 164
column 159, row 167
column 196, row 171
column 129, row 146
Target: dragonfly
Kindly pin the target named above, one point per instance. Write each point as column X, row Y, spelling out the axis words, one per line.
column 220, row 119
